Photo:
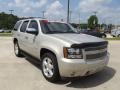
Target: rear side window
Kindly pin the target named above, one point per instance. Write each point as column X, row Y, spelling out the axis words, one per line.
column 17, row 25
column 24, row 26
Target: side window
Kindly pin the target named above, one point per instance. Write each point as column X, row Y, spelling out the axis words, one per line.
column 24, row 26
column 33, row 24
column 17, row 25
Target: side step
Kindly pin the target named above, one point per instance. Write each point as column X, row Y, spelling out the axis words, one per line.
column 31, row 59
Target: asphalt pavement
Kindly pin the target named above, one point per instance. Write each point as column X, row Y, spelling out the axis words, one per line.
column 24, row 74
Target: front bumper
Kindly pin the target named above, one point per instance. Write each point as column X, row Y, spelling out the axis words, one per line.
column 80, row 67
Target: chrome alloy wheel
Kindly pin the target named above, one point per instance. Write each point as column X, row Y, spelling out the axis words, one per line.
column 48, row 68
column 16, row 49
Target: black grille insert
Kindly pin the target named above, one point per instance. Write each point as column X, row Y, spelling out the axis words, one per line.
column 92, row 44
column 95, row 56
column 95, row 48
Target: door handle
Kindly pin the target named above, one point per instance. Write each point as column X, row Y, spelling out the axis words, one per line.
column 26, row 37
column 18, row 34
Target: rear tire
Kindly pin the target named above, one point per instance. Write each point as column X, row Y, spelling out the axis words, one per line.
column 49, row 67
column 17, row 50
column 104, row 36
column 113, row 36
column 119, row 35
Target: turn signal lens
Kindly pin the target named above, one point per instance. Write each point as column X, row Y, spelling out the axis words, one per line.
column 65, row 51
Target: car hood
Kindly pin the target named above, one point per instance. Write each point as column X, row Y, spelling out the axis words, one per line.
column 77, row 38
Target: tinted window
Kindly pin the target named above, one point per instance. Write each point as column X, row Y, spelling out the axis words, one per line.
column 17, row 25
column 33, row 24
column 24, row 26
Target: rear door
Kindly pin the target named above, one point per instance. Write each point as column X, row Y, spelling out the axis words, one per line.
column 16, row 29
column 22, row 35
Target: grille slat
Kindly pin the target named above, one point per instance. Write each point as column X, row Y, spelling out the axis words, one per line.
column 101, row 51
column 96, row 48
column 95, row 56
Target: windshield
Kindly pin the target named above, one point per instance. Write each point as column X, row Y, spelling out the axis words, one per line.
column 56, row 27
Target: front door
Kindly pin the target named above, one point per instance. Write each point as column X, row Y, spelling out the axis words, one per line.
column 32, row 40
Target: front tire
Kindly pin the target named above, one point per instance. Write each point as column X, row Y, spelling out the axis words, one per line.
column 17, row 50
column 50, row 67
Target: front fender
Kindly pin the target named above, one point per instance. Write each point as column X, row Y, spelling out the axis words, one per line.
column 55, row 49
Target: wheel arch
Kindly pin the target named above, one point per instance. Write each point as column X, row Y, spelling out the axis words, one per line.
column 15, row 40
column 46, row 50
column 118, row 35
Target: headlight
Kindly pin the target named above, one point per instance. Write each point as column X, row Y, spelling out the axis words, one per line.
column 73, row 53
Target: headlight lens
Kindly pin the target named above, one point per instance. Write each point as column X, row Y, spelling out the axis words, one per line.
column 73, row 53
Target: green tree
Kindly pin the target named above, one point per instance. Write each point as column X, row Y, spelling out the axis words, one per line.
column 92, row 22
column 7, row 21
column 83, row 26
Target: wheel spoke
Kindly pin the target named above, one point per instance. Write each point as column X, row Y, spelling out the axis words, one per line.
column 49, row 61
column 48, row 67
column 45, row 63
column 46, row 72
column 50, row 72
column 16, row 48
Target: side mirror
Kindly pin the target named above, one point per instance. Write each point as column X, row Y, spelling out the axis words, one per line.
column 32, row 31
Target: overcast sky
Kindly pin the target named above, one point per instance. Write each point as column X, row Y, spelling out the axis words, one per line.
column 108, row 10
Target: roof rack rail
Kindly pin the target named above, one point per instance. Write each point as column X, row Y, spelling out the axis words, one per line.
column 31, row 18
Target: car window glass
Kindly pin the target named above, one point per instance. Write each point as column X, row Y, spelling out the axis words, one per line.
column 24, row 26
column 33, row 24
column 56, row 27
column 17, row 26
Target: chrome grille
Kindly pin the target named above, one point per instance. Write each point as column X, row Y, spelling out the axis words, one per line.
column 95, row 52
column 95, row 56
column 96, row 48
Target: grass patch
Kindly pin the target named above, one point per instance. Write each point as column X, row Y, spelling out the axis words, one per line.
column 112, row 38
column 5, row 34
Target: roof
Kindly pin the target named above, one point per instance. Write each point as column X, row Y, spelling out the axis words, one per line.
column 38, row 18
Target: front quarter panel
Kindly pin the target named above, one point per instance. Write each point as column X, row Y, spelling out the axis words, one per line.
column 53, row 44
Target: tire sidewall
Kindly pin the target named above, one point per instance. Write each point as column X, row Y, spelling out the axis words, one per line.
column 103, row 36
column 19, row 51
column 119, row 36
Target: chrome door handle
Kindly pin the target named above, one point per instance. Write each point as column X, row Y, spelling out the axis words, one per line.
column 18, row 34
column 26, row 37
